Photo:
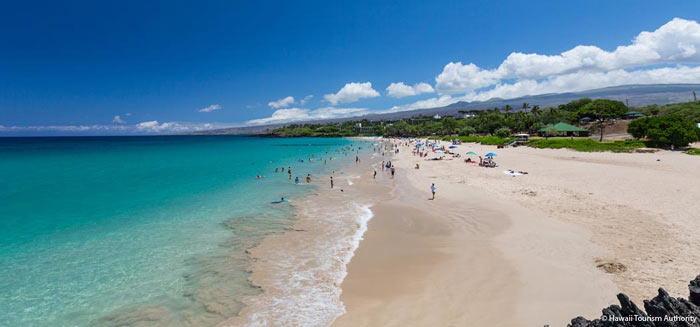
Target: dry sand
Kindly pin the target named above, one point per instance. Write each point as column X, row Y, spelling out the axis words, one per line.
column 542, row 248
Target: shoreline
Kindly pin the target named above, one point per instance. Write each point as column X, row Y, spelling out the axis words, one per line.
column 300, row 270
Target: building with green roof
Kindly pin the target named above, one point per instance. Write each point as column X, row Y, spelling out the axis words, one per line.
column 634, row 115
column 564, row 129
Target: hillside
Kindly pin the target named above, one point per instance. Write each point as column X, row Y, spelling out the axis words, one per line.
column 634, row 95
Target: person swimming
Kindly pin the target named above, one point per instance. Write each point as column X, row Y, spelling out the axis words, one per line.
column 280, row 200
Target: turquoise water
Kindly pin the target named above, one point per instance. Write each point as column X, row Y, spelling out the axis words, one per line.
column 140, row 231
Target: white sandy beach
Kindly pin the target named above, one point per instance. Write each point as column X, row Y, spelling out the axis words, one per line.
column 528, row 250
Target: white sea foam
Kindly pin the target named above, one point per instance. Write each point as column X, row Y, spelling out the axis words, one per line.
column 306, row 283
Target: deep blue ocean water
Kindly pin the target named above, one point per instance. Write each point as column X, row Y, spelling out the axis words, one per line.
column 108, row 231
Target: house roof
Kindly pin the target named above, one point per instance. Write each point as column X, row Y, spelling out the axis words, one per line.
column 564, row 127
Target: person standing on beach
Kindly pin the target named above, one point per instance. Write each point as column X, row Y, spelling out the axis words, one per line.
column 393, row 170
column 432, row 190
column 375, row 174
column 331, row 181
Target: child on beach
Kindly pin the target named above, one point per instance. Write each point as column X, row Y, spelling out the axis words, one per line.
column 432, row 189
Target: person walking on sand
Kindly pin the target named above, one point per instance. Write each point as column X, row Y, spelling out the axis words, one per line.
column 375, row 174
column 331, row 181
column 393, row 170
column 432, row 190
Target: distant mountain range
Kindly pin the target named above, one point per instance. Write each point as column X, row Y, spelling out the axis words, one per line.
column 633, row 95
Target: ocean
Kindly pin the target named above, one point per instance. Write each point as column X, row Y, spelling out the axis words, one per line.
column 119, row 231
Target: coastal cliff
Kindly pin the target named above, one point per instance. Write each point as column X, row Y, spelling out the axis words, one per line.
column 661, row 311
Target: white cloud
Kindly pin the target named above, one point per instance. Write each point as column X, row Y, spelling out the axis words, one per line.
column 400, row 90
column 434, row 102
column 118, row 120
column 300, row 114
column 582, row 81
column 282, row 103
column 148, row 127
column 306, row 99
column 675, row 43
column 210, row 108
column 352, row 92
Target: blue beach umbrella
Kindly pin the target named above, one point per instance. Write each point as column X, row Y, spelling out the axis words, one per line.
column 491, row 154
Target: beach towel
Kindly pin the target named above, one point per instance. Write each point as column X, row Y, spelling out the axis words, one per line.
column 512, row 172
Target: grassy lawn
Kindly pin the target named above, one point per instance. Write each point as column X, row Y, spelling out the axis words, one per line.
column 576, row 144
column 585, row 145
column 695, row 152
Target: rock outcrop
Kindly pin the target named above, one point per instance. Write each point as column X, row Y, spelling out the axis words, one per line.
column 661, row 311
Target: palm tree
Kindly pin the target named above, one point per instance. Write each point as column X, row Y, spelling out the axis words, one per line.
column 536, row 110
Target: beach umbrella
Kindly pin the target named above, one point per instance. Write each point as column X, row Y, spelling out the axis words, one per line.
column 491, row 154
column 452, row 146
column 438, row 151
column 472, row 153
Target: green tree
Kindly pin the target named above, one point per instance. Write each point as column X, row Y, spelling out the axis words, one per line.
column 602, row 111
column 575, row 105
column 536, row 111
column 663, row 131
column 550, row 131
column 467, row 131
column 449, row 125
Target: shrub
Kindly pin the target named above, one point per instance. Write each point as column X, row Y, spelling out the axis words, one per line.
column 663, row 131
column 503, row 132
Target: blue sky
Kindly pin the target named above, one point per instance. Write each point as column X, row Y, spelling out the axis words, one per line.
column 79, row 64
